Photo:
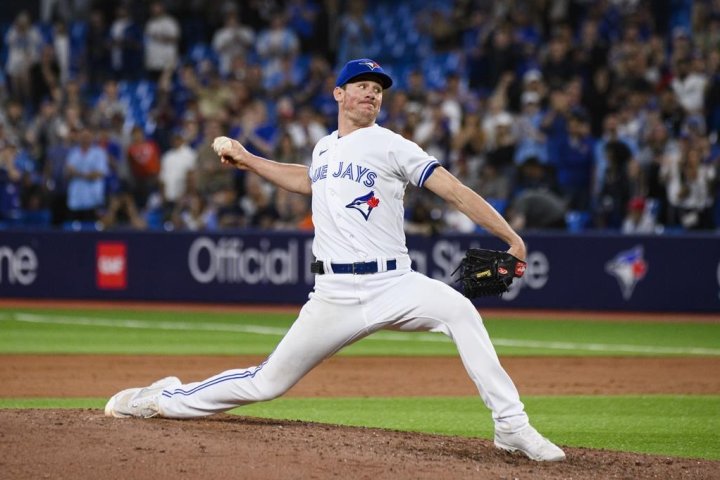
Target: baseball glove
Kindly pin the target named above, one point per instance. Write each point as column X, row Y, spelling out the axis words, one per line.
column 486, row 272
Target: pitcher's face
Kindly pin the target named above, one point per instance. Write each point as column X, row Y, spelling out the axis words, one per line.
column 360, row 101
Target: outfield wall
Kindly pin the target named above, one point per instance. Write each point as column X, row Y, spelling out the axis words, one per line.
column 570, row 271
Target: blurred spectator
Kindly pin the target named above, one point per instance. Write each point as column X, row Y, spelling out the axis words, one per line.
column 689, row 84
column 192, row 213
column 287, row 152
column 254, row 131
column 531, row 141
column 311, row 86
column 417, row 89
column 303, row 16
column 61, row 50
column 108, row 106
column 690, row 192
column 277, row 42
column 162, row 41
column 433, row 134
column 494, row 186
column 44, row 131
column 616, row 188
column 639, row 218
column 14, row 122
column 176, row 172
column 293, row 211
column 45, row 76
column 502, row 155
column 575, row 163
column 469, row 144
column 597, row 99
column 97, row 62
column 10, row 183
column 537, row 208
column 214, row 180
column 354, row 32
column 591, row 51
column 610, row 134
column 86, row 169
column 122, row 210
column 55, row 178
column 496, row 58
column 536, row 203
column 232, row 40
column 558, row 66
column 144, row 163
column 305, row 132
column 421, row 217
column 212, row 94
column 24, row 44
column 126, row 45
column 283, row 77
column 258, row 204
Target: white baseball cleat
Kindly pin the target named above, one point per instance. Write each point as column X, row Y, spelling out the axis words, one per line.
column 531, row 443
column 139, row 402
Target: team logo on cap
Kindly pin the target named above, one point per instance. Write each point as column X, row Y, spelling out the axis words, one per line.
column 364, row 204
column 370, row 65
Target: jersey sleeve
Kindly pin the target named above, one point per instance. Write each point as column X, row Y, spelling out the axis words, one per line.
column 413, row 164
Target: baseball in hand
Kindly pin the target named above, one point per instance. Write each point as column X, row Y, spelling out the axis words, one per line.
column 221, row 143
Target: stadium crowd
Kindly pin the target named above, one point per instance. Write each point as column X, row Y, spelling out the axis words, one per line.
column 564, row 114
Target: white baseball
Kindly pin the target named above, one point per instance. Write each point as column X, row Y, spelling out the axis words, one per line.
column 221, row 142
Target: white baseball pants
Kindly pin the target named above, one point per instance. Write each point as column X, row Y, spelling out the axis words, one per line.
column 342, row 309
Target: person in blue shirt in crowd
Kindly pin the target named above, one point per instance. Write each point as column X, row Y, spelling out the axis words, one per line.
column 86, row 169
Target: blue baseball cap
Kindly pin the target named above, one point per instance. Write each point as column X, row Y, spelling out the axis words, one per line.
column 363, row 66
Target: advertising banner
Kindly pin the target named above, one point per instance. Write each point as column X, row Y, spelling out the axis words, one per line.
column 572, row 271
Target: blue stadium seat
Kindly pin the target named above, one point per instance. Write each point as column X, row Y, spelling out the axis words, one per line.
column 78, row 226
column 577, row 220
column 36, row 218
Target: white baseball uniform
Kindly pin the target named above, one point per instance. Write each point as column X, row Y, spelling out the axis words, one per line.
column 358, row 183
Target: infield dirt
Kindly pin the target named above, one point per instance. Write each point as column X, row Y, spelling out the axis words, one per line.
column 83, row 444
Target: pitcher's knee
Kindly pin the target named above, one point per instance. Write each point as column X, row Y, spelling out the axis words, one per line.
column 270, row 390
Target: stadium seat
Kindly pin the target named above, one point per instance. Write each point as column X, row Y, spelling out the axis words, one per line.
column 36, row 218
column 577, row 220
column 78, row 226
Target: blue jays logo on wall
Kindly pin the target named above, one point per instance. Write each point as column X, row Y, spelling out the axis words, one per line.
column 365, row 204
column 629, row 267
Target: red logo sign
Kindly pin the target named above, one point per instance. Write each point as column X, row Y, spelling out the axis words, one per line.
column 111, row 272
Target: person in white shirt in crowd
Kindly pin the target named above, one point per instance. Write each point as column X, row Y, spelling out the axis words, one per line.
column 232, row 40
column 177, row 167
column 24, row 43
column 162, row 40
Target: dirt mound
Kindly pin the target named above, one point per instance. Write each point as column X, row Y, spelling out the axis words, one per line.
column 83, row 444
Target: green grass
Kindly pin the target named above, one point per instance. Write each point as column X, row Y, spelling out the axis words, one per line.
column 181, row 333
column 674, row 425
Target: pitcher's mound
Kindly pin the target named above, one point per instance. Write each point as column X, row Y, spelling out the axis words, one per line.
column 83, row 444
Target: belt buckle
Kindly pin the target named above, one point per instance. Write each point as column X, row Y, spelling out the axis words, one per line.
column 356, row 265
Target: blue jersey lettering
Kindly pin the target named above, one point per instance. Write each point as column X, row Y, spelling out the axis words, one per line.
column 320, row 173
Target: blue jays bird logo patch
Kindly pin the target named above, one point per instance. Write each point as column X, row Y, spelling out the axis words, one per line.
column 371, row 65
column 365, row 204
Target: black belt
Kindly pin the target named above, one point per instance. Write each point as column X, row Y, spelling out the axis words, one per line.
column 357, row 268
